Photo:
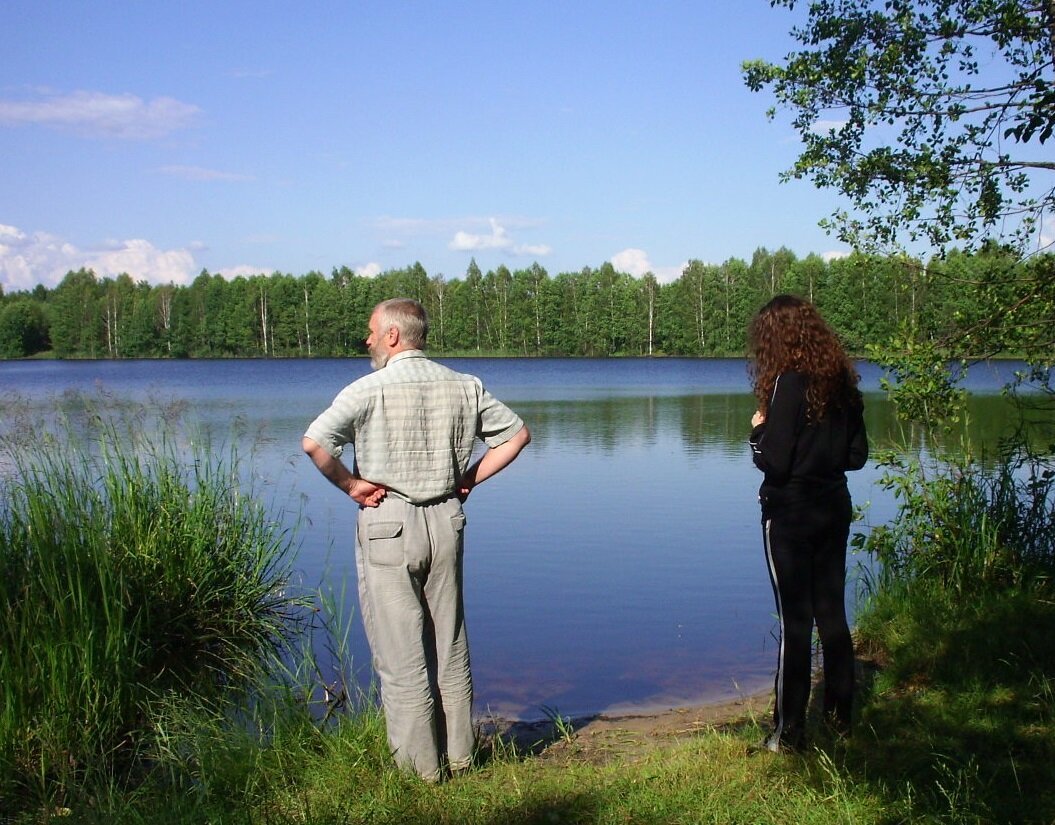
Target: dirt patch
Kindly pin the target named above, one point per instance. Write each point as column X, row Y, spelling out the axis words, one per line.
column 603, row 737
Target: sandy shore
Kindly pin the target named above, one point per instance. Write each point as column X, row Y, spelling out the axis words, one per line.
column 607, row 733
column 627, row 731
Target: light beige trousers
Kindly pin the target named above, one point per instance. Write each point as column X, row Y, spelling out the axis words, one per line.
column 409, row 561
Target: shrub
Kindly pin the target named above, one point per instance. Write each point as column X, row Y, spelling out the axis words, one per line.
column 130, row 578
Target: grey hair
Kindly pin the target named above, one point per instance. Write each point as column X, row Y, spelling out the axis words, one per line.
column 406, row 315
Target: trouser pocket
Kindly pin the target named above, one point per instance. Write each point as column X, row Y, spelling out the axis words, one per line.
column 384, row 544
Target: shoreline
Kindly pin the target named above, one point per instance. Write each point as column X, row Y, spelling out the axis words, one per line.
column 654, row 722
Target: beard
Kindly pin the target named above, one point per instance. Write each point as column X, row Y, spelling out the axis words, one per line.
column 378, row 357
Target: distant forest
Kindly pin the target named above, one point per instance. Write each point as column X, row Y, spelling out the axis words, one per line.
column 592, row 312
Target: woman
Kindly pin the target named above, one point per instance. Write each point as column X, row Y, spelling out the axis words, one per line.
column 808, row 430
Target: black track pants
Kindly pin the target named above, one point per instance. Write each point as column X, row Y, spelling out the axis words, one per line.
column 806, row 551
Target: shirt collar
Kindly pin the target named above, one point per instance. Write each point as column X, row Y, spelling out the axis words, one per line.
column 407, row 353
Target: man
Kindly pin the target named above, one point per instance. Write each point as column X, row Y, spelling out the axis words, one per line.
column 413, row 424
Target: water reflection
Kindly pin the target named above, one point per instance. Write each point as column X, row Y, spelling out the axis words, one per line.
column 706, row 423
column 617, row 563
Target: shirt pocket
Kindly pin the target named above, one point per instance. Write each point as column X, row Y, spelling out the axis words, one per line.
column 385, row 544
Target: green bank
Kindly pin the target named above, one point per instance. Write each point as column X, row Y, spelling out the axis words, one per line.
column 156, row 667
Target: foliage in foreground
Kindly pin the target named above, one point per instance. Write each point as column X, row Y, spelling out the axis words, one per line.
column 134, row 585
column 964, row 528
column 930, row 117
column 963, row 610
column 957, row 726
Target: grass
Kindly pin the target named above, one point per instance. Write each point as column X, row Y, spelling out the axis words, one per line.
column 957, row 726
column 962, row 713
column 956, row 719
column 135, row 585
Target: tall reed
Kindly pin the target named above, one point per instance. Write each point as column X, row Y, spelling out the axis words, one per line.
column 964, row 525
column 134, row 574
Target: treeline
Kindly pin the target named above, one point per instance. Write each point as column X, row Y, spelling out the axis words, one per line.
column 592, row 312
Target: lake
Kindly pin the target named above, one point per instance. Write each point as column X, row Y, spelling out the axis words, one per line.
column 616, row 566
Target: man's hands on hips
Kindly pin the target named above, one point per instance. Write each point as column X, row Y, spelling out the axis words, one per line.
column 492, row 461
column 366, row 493
column 362, row 492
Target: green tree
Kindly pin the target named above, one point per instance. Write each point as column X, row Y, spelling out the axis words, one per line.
column 927, row 115
column 75, row 323
column 771, row 268
column 458, row 326
column 23, row 329
column 697, row 281
column 475, row 298
column 850, row 295
column 438, row 307
column 317, row 314
column 141, row 338
column 804, row 276
column 122, row 317
column 532, row 309
column 742, row 291
column 241, row 319
column 497, row 289
column 356, row 297
column 164, row 318
column 964, row 289
column 648, row 302
column 286, row 296
column 410, row 282
column 579, row 311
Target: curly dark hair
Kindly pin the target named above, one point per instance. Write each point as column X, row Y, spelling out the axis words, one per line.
column 789, row 335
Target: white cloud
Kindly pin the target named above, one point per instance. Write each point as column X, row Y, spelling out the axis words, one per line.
column 96, row 114
column 464, row 237
column 368, row 270
column 633, row 261
column 636, row 262
column 28, row 259
column 11, row 232
column 835, row 254
column 199, row 173
column 470, row 242
column 143, row 261
column 497, row 238
column 669, row 274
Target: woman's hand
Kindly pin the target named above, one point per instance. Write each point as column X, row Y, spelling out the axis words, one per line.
column 757, row 418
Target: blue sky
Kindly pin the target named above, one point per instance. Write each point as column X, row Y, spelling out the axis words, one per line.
column 242, row 137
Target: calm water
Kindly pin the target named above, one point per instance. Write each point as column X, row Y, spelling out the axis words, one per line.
column 617, row 564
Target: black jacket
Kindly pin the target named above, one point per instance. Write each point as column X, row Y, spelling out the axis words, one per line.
column 803, row 461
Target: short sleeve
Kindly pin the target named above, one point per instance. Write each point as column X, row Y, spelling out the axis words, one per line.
column 496, row 423
column 336, row 425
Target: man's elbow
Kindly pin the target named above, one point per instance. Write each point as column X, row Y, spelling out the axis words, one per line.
column 520, row 440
